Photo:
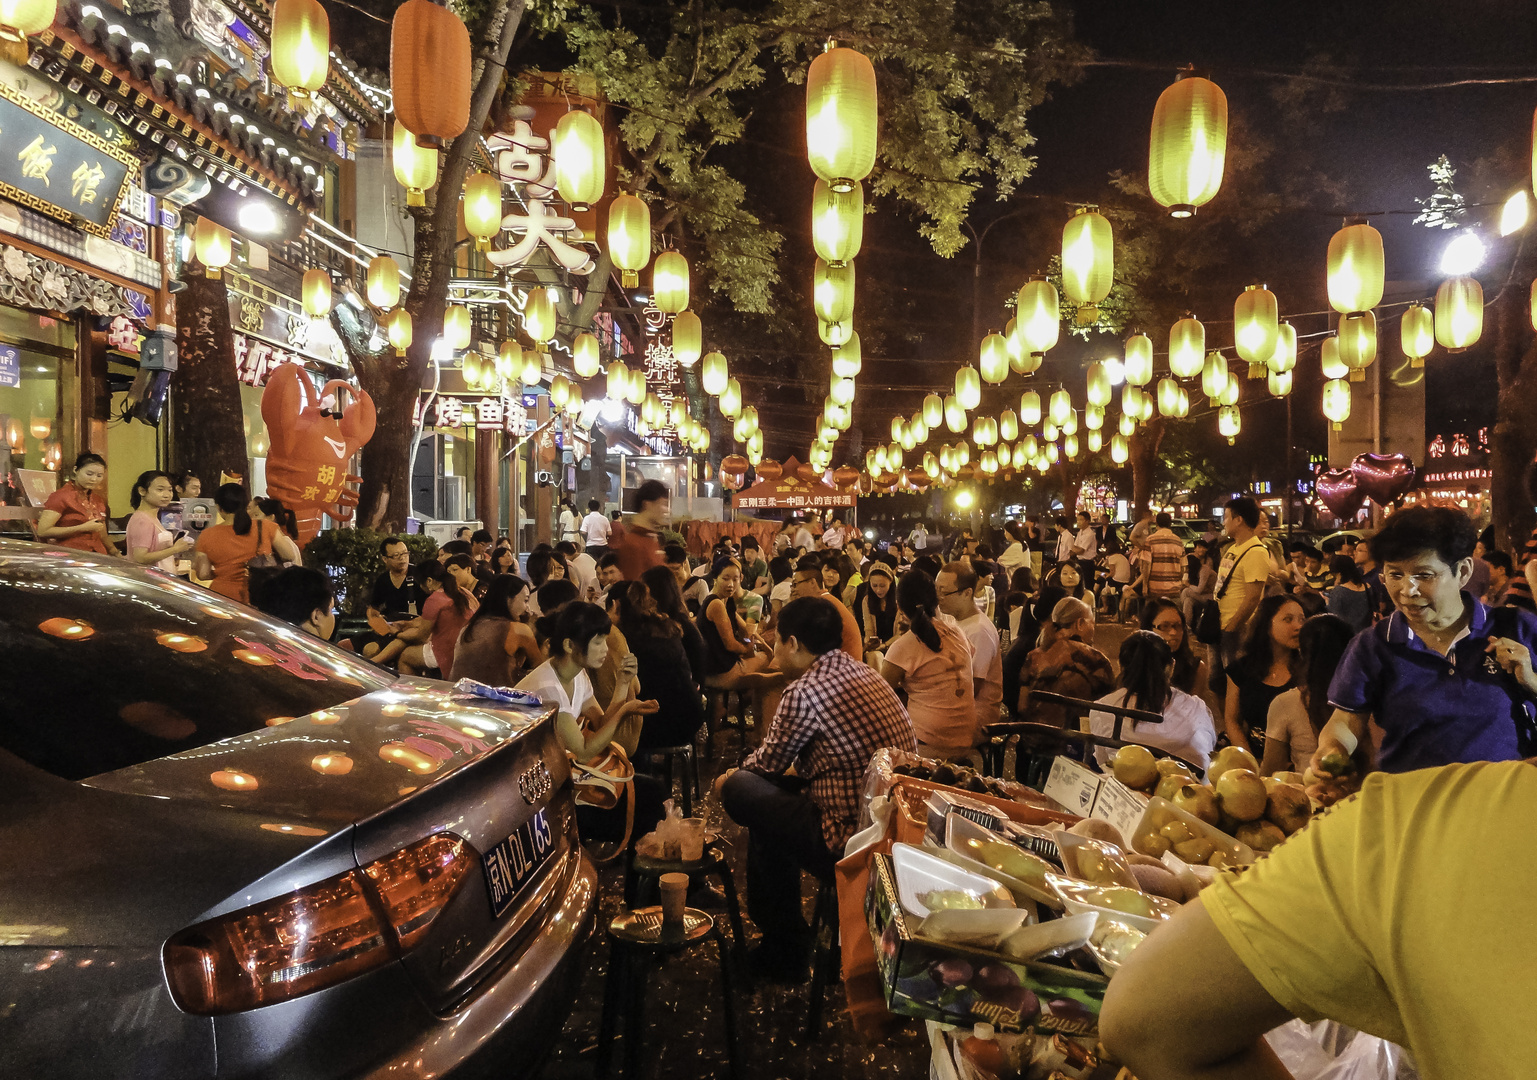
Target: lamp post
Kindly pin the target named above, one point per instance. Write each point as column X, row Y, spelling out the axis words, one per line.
column 976, row 277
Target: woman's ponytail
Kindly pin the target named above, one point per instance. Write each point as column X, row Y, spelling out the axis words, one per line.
column 918, row 600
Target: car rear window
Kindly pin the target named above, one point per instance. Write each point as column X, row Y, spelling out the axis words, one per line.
column 109, row 667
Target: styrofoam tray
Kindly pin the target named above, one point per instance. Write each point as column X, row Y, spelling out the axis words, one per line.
column 1072, row 845
column 1064, row 934
column 1076, row 898
column 958, row 830
column 918, row 872
column 1240, row 854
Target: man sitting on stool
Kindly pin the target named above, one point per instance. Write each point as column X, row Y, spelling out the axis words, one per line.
column 833, row 717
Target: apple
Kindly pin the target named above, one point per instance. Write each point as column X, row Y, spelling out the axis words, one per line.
column 1241, row 794
column 1288, row 808
column 1230, row 757
column 1135, row 766
column 1197, row 800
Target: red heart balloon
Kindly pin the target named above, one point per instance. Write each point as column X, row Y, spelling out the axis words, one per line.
column 1384, row 478
column 1340, row 492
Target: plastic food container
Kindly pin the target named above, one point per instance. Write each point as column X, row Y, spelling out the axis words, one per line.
column 1077, row 851
column 1112, row 941
column 961, row 836
column 1079, row 897
column 919, row 873
column 1057, row 936
column 1160, row 812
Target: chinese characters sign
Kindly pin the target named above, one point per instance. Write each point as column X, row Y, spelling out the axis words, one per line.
column 58, row 168
column 483, row 413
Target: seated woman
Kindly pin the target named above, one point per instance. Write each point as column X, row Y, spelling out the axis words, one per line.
column 665, row 676
column 1349, row 598
column 1297, row 715
column 496, row 647
column 661, row 583
column 578, row 638
column 931, row 664
column 734, row 659
column 1065, row 661
column 544, row 565
column 875, row 609
column 1164, row 617
column 1187, row 730
column 429, row 641
column 1265, row 668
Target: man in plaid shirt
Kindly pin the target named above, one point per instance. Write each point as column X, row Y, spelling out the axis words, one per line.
column 1166, row 571
column 833, row 717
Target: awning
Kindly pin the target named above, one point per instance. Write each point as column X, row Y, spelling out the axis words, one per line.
column 791, row 492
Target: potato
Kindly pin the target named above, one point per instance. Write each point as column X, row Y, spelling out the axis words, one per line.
column 1095, row 829
column 1136, row 858
column 1158, row 881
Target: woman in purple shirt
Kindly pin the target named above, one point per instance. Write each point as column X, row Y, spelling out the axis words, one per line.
column 1446, row 678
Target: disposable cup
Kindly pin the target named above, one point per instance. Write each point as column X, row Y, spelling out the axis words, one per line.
column 692, row 839
column 674, row 898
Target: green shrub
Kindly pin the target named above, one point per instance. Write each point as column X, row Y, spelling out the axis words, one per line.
column 352, row 558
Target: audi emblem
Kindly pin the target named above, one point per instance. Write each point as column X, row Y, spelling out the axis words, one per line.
column 535, row 783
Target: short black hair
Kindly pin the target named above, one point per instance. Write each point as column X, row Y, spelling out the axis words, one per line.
column 750, row 541
column 455, row 547
column 387, row 541
column 812, row 621
column 610, row 558
column 294, row 594
column 552, row 594
column 780, row 568
column 965, row 576
column 1415, row 530
column 575, row 622
column 649, row 492
column 594, row 504
column 1164, row 519
column 809, row 564
column 566, row 548
column 1500, row 559
column 675, row 555
column 927, row 564
column 481, row 536
column 1245, row 508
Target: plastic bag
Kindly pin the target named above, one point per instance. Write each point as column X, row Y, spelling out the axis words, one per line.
column 1328, row 1051
column 666, row 841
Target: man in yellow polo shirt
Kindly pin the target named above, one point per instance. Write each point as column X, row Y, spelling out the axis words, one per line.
column 1405, row 912
column 1240, row 582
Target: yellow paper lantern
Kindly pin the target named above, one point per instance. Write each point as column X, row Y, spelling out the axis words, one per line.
column 1053, row 452
column 841, row 117
column 1138, row 366
column 989, row 463
column 1049, row 432
column 1088, row 261
column 908, row 440
column 301, row 44
column 832, row 291
column 19, row 18
column 560, row 391
column 835, row 335
column 896, row 428
column 841, row 390
column 1031, row 447
column 214, row 245
column 687, row 338
column 1280, row 383
column 1285, row 356
column 383, row 282
column 1098, row 392
column 539, row 320
column 713, row 375
column 1417, row 330
column 581, row 160
column 617, row 383
column 1093, row 417
column 636, row 392
column 469, row 367
column 530, row 364
column 586, row 355
column 1459, row 313
column 730, row 400
column 1188, row 145
column 933, row 410
column 837, row 222
column 1127, row 425
column 968, row 388
column 979, row 432
column 1120, row 450
column 1061, row 407
column 1214, row 375
column 919, row 427
column 955, row 414
column 1255, row 324
column 1358, row 342
column 1355, row 268
column 848, row 360
column 669, row 282
column 1030, row 408
column 1187, row 347
column 1337, row 401
column 1039, row 312
column 931, row 466
column 1094, row 441
column 629, row 238
column 1228, row 423
column 316, row 291
column 483, row 207
column 1229, row 395
column 574, row 403
column 1008, row 425
column 507, row 361
column 1070, row 447
column 398, row 326
column 1329, row 359
column 994, row 361
column 416, row 167
column 456, row 326
column 1168, row 397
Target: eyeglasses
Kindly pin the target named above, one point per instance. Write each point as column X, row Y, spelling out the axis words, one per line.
column 941, row 595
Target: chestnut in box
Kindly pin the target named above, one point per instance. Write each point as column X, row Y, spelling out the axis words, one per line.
column 957, row 984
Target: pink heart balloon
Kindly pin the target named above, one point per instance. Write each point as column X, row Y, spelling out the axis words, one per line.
column 1340, row 492
column 1384, row 478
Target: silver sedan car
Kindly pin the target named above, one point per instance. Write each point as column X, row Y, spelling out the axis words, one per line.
column 228, row 849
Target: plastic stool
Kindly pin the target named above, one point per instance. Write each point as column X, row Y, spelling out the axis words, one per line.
column 636, row 940
column 669, row 755
column 641, row 873
column 826, row 959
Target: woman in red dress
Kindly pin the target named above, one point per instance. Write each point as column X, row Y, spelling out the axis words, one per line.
column 76, row 514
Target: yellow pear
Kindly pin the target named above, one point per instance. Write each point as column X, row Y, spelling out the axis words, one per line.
column 1135, row 766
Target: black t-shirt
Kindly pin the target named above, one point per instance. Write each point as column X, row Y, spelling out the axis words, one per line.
column 395, row 603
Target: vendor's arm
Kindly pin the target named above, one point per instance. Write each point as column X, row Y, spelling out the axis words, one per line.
column 202, row 566
column 1515, row 659
column 378, row 623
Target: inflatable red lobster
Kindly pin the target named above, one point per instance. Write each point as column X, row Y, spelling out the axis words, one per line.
column 307, row 464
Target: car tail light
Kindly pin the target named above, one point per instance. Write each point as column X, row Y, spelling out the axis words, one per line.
column 317, row 936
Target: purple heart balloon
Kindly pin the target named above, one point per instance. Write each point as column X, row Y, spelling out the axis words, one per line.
column 1340, row 492
column 1384, row 478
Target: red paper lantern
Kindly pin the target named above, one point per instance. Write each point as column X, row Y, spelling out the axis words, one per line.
column 845, row 477
column 734, row 463
column 430, row 71
column 809, row 473
column 770, row 470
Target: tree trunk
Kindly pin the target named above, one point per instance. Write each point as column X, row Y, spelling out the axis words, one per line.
column 1071, row 476
column 207, row 422
column 395, row 383
column 1144, row 459
column 1513, row 442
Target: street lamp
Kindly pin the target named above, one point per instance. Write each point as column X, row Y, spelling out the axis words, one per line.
column 964, row 499
column 1463, row 254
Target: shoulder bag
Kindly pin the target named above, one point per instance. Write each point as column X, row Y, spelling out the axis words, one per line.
column 601, row 784
column 263, row 565
column 1208, row 621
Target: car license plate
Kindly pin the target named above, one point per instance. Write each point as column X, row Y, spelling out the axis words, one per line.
column 513, row 863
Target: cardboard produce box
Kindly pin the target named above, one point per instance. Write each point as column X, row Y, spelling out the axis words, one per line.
column 961, row 984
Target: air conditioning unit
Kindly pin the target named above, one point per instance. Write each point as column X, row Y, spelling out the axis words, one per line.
column 451, row 498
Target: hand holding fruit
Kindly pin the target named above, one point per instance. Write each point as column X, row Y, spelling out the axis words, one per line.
column 1515, row 659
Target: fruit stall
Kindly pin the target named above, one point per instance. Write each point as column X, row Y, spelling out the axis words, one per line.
column 998, row 913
